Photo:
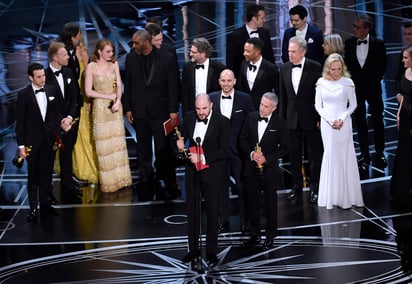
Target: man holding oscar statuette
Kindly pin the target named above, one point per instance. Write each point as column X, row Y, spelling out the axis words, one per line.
column 207, row 133
column 263, row 140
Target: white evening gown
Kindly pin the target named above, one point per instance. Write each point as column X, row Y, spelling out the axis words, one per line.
column 339, row 182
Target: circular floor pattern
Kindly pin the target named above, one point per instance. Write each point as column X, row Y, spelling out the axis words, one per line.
column 291, row 260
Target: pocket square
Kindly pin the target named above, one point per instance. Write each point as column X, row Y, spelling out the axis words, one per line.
column 310, row 40
column 69, row 80
column 51, row 98
column 273, row 130
column 239, row 110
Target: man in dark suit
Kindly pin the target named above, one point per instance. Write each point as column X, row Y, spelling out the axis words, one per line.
column 255, row 18
column 365, row 57
column 234, row 105
column 200, row 75
column 37, row 121
column 257, row 75
column 313, row 36
column 151, row 96
column 263, row 141
column 211, row 131
column 64, row 82
column 298, row 79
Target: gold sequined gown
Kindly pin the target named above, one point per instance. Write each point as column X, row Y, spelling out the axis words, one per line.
column 109, row 137
column 84, row 152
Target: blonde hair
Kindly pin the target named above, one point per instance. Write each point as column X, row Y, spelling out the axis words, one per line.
column 332, row 58
column 335, row 43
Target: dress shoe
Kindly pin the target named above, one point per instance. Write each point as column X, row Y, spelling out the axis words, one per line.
column 190, row 256
column 363, row 163
column 252, row 241
column 33, row 214
column 380, row 160
column 295, row 193
column 313, row 196
column 268, row 243
column 48, row 210
column 80, row 182
column 53, row 199
column 223, row 227
column 245, row 230
column 212, row 260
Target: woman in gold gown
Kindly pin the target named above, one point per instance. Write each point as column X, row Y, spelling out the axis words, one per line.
column 84, row 153
column 103, row 84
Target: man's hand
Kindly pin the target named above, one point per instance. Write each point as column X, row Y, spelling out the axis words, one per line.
column 174, row 116
column 129, row 116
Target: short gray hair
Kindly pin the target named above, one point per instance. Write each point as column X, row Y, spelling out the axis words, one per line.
column 203, row 45
column 303, row 46
column 271, row 96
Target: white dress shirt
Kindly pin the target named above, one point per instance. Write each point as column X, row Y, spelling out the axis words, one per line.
column 362, row 51
column 296, row 75
column 251, row 75
column 41, row 102
column 201, row 78
column 226, row 105
column 59, row 78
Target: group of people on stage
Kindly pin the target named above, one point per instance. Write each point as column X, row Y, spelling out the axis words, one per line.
column 238, row 120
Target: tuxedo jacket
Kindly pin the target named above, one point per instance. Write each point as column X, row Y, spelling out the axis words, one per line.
column 242, row 105
column 235, row 47
column 299, row 109
column 31, row 130
column 314, row 39
column 155, row 95
column 368, row 78
column 69, row 104
column 189, row 85
column 74, row 66
column 274, row 143
column 267, row 80
column 215, row 146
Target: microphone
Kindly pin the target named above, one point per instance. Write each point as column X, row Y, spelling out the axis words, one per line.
column 198, row 140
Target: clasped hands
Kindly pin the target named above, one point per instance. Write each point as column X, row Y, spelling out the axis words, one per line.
column 66, row 123
column 258, row 157
column 337, row 124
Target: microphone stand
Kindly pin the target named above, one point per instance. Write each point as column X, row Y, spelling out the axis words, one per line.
column 198, row 188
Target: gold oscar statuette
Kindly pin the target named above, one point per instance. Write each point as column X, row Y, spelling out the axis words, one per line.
column 183, row 154
column 19, row 160
column 259, row 167
column 115, row 92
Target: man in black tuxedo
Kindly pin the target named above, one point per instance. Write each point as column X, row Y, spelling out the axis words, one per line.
column 255, row 18
column 200, row 75
column 298, row 79
column 151, row 96
column 37, row 121
column 257, row 75
column 64, row 82
column 313, row 36
column 211, row 131
column 263, row 141
column 234, row 105
column 365, row 57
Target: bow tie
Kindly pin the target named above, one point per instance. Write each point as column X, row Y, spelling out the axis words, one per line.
column 200, row 66
column 263, row 118
column 362, row 41
column 39, row 91
column 252, row 67
column 227, row 97
column 254, row 32
column 202, row 120
column 297, row 65
column 57, row 73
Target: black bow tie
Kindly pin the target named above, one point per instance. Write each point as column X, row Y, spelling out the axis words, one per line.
column 252, row 67
column 200, row 66
column 254, row 32
column 362, row 41
column 202, row 120
column 227, row 97
column 297, row 65
column 263, row 118
column 57, row 73
column 39, row 91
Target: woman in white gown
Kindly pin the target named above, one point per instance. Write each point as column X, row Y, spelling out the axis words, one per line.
column 335, row 101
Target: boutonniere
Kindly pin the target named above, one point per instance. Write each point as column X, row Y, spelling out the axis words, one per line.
column 310, row 40
column 69, row 80
column 51, row 98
